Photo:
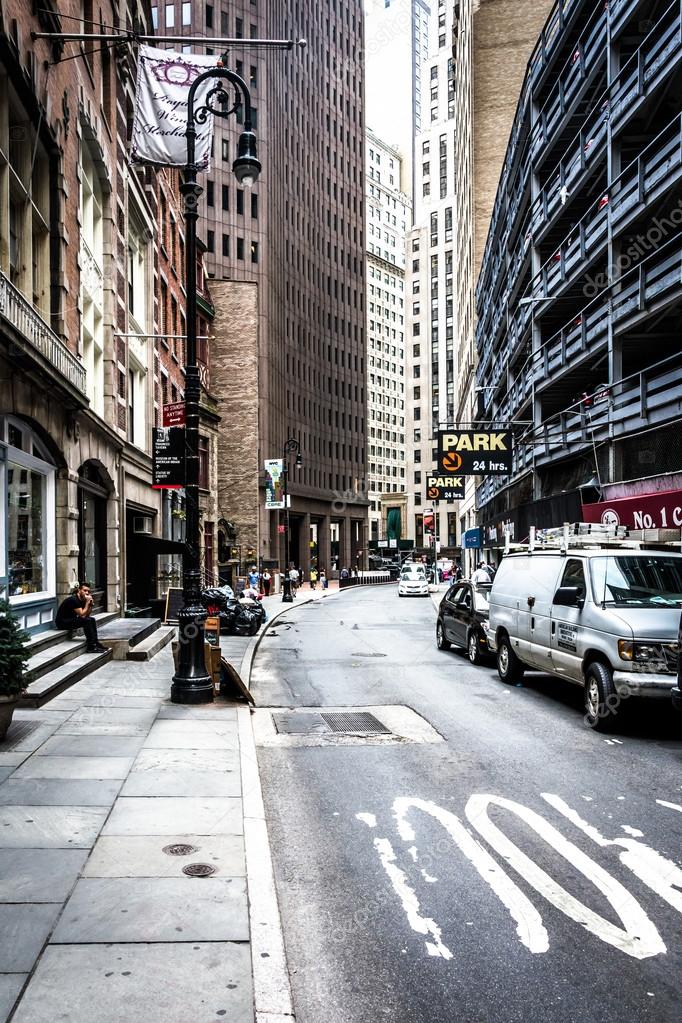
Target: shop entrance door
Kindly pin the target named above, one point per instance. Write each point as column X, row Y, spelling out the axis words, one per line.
column 92, row 533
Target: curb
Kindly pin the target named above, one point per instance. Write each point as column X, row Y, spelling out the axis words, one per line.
column 272, row 999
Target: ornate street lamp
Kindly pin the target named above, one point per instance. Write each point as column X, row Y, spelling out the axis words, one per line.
column 191, row 682
column 291, row 445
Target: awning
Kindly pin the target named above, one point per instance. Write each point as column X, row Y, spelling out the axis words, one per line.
column 157, row 544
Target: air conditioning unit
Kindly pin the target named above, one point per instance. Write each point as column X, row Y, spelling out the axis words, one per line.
column 142, row 524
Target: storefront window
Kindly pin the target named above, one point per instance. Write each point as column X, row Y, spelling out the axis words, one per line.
column 25, row 530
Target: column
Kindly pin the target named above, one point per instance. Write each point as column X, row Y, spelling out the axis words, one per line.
column 324, row 546
column 345, row 545
column 303, row 554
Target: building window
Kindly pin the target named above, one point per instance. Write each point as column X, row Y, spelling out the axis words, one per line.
column 170, row 16
column 240, row 200
column 240, row 248
column 209, row 15
column 254, row 252
column 187, row 14
column 203, row 463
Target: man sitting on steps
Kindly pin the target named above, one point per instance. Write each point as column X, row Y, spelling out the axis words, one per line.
column 75, row 613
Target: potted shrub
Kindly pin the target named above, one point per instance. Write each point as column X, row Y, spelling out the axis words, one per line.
column 13, row 661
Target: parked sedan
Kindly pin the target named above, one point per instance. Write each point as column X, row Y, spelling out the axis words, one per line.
column 463, row 620
column 413, row 582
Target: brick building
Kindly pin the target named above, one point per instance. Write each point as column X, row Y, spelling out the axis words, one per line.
column 290, row 359
column 81, row 375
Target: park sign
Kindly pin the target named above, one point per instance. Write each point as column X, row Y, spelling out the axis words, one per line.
column 445, row 488
column 475, row 452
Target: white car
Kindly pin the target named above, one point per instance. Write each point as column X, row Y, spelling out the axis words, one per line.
column 413, row 582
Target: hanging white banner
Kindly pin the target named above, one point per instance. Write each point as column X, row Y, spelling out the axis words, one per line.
column 164, row 78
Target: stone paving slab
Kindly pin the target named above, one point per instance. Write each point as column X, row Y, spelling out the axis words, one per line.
column 167, row 816
column 5, row 772
column 10, row 986
column 179, row 781
column 75, row 767
column 39, row 875
column 124, row 909
column 91, row 746
column 157, row 983
column 123, row 702
column 50, row 827
column 58, row 792
column 193, row 735
column 217, row 711
column 144, row 856
column 24, row 929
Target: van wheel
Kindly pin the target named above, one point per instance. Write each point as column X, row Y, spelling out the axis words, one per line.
column 474, row 648
column 441, row 642
column 509, row 667
column 601, row 698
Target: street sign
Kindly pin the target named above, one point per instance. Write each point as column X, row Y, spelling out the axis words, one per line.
column 445, row 488
column 475, row 452
column 168, row 458
column 174, row 415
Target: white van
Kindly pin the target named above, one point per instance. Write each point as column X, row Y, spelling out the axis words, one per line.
column 606, row 619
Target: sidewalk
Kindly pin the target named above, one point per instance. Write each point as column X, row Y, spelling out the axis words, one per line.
column 135, row 872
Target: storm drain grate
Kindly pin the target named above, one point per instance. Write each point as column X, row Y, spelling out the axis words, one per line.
column 179, row 849
column 358, row 721
column 17, row 732
column 199, row 870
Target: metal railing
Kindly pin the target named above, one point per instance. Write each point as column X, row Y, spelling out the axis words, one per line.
column 21, row 315
column 645, row 399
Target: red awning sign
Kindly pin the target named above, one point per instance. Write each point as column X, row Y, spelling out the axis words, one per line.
column 646, row 511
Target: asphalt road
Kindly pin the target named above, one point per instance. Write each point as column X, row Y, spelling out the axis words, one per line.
column 561, row 900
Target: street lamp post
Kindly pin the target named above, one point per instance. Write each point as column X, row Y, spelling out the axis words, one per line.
column 291, row 445
column 191, row 682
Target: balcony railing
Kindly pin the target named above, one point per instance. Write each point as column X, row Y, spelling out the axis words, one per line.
column 589, row 53
column 658, row 55
column 21, row 315
column 656, row 282
column 655, row 170
column 651, row 397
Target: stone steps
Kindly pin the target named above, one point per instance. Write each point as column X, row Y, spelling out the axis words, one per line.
column 55, row 681
column 150, row 646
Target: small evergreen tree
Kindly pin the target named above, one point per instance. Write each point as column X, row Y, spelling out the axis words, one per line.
column 13, row 659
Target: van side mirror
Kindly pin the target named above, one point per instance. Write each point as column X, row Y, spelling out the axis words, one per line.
column 569, row 596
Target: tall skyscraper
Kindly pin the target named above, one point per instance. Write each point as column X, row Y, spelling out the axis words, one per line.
column 287, row 260
column 388, row 214
column 480, row 49
column 396, row 46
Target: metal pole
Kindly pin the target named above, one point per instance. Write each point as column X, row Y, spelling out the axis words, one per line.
column 191, row 682
column 287, row 597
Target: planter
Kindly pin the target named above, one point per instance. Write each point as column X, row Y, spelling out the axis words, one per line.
column 7, row 705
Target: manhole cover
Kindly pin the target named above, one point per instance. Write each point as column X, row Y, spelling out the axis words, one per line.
column 198, row 870
column 358, row 721
column 179, row 850
column 18, row 731
column 299, row 724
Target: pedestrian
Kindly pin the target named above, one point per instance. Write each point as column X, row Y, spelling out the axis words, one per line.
column 75, row 612
column 253, row 578
column 267, row 579
column 491, row 572
column 324, row 582
column 294, row 579
column 481, row 574
column 344, row 573
column 313, row 578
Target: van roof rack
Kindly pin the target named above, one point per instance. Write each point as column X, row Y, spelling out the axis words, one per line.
column 596, row 535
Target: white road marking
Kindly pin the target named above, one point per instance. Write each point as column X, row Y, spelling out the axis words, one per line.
column 635, row 832
column 367, row 818
column 671, row 806
column 639, row 937
column 413, row 853
column 660, row 874
column 529, row 928
column 409, row 900
column 428, row 878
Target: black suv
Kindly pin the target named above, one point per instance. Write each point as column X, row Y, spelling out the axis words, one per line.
column 463, row 620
